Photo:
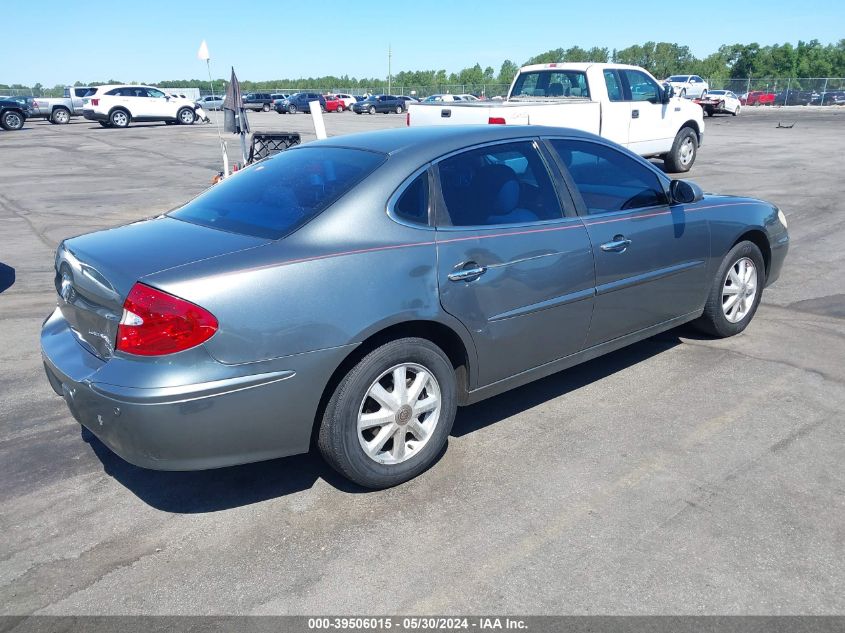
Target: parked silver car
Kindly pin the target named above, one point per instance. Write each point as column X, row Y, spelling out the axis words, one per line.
column 356, row 290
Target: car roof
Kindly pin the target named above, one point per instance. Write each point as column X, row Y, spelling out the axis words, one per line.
column 426, row 143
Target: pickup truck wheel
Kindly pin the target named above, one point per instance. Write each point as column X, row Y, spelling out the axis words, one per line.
column 372, row 110
column 735, row 292
column 11, row 120
column 390, row 416
column 119, row 118
column 682, row 155
column 60, row 116
column 186, row 116
column 266, row 107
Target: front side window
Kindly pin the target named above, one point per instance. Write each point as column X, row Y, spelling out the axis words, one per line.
column 642, row 87
column 156, row 94
column 276, row 196
column 607, row 179
column 498, row 184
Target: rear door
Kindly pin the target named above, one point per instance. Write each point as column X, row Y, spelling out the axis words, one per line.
column 512, row 266
column 616, row 111
column 650, row 256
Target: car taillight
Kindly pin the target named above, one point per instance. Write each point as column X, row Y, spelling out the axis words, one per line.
column 156, row 323
column 496, row 120
column 95, row 102
column 408, row 119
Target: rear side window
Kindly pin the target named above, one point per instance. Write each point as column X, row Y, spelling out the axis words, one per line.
column 279, row 195
column 607, row 179
column 412, row 204
column 499, row 184
column 614, row 86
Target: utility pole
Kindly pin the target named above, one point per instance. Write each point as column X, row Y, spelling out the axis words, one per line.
column 389, row 73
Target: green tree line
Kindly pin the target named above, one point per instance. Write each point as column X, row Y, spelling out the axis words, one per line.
column 730, row 61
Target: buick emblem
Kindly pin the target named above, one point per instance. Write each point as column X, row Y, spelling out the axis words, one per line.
column 67, row 291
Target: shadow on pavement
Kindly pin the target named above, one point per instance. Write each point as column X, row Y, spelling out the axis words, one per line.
column 224, row 488
column 7, row 277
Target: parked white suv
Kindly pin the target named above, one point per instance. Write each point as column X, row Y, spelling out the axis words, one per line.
column 117, row 106
column 689, row 86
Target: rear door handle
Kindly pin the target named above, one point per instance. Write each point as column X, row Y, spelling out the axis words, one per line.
column 617, row 245
column 467, row 272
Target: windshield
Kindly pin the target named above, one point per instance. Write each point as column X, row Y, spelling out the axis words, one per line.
column 277, row 196
column 551, row 83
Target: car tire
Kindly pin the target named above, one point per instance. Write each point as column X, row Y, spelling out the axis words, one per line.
column 398, row 110
column 371, row 110
column 12, row 120
column 683, row 92
column 682, row 155
column 60, row 116
column 186, row 116
column 736, row 111
column 341, row 439
column 119, row 118
column 292, row 109
column 721, row 317
column 266, row 107
column 703, row 94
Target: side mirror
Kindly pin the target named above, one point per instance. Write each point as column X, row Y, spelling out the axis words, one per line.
column 668, row 93
column 685, row 192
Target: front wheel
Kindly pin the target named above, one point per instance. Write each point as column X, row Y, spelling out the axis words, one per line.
column 186, row 116
column 398, row 109
column 682, row 155
column 292, row 109
column 372, row 110
column 11, row 120
column 390, row 417
column 735, row 292
column 736, row 111
column 266, row 107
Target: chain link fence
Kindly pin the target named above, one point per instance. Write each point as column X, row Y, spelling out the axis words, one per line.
column 788, row 90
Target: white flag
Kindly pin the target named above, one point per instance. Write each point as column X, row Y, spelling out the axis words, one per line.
column 202, row 53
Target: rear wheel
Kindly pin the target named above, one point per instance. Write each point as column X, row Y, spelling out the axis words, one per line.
column 735, row 292
column 119, row 118
column 11, row 120
column 682, row 155
column 398, row 109
column 266, row 107
column 390, row 416
column 60, row 116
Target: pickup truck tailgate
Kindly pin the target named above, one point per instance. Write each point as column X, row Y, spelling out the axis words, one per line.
column 580, row 114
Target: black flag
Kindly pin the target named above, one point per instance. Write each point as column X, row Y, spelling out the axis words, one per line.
column 234, row 116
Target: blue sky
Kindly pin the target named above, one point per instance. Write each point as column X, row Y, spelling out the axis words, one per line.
column 284, row 39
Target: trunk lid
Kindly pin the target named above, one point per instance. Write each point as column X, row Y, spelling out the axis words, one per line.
column 95, row 272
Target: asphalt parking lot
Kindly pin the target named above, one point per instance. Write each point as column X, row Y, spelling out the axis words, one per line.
column 681, row 475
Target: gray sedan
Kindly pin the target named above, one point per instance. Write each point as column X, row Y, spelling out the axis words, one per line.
column 352, row 292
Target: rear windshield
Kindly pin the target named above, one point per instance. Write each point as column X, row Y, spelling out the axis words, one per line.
column 277, row 196
column 551, row 83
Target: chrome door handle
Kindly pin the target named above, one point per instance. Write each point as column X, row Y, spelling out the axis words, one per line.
column 467, row 272
column 617, row 245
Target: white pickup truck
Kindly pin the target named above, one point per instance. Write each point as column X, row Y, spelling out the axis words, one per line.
column 622, row 103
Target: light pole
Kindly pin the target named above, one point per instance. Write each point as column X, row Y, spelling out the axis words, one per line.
column 389, row 73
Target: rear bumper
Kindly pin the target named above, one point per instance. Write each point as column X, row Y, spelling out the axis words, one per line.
column 92, row 115
column 242, row 418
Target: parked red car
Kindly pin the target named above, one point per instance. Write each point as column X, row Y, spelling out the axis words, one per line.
column 333, row 104
column 758, row 97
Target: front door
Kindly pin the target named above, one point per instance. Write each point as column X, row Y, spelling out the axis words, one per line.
column 511, row 266
column 648, row 132
column 650, row 255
